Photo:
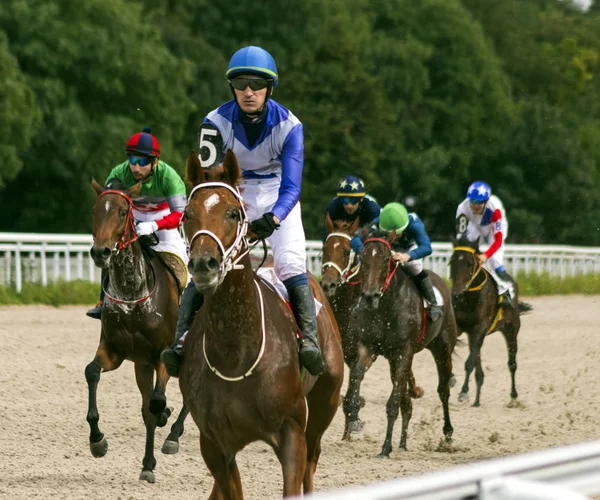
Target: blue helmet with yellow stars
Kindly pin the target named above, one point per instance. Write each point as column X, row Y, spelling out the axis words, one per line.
column 351, row 186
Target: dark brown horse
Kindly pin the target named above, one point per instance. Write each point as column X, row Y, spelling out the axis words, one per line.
column 138, row 315
column 240, row 375
column 391, row 321
column 475, row 299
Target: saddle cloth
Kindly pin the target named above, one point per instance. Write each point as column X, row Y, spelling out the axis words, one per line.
column 268, row 275
column 176, row 265
column 438, row 297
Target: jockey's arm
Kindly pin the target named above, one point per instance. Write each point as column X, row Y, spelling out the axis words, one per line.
column 497, row 232
column 292, row 161
column 417, row 229
column 176, row 198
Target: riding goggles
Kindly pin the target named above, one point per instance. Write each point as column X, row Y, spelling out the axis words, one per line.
column 477, row 202
column 350, row 200
column 253, row 83
column 142, row 161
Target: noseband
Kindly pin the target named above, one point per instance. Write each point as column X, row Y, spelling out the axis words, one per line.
column 229, row 256
column 348, row 272
column 475, row 271
column 392, row 265
column 123, row 241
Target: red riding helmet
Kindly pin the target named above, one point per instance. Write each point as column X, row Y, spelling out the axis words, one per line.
column 143, row 143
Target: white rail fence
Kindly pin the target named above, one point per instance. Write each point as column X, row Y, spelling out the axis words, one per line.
column 43, row 258
column 567, row 473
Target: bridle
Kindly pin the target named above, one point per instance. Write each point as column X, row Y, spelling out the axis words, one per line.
column 474, row 271
column 391, row 264
column 123, row 242
column 348, row 272
column 230, row 256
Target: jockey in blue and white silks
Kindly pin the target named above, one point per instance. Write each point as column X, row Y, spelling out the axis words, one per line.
column 268, row 141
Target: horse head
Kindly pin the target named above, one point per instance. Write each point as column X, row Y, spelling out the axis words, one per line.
column 464, row 265
column 113, row 226
column 215, row 221
column 377, row 269
column 338, row 256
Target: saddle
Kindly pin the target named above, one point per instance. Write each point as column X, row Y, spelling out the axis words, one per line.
column 173, row 262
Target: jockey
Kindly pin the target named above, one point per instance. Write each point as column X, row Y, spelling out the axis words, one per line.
column 159, row 206
column 482, row 215
column 410, row 243
column 268, row 141
column 352, row 202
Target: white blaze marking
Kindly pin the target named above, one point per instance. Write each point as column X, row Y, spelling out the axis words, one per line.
column 211, row 201
column 336, row 244
column 106, row 205
column 373, row 252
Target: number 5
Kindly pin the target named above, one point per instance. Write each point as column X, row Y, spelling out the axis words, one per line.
column 207, row 146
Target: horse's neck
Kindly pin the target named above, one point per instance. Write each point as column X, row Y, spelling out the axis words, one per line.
column 129, row 273
column 232, row 320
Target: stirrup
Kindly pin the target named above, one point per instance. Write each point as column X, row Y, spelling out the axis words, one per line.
column 95, row 312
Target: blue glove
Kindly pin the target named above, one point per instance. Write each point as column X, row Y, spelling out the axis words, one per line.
column 356, row 244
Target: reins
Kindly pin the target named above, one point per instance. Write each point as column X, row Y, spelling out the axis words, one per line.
column 473, row 271
column 391, row 267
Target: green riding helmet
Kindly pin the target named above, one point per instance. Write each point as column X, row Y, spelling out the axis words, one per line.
column 393, row 217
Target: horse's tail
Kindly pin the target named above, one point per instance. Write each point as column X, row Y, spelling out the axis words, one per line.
column 524, row 308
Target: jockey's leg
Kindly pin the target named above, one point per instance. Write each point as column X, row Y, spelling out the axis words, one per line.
column 496, row 262
column 191, row 300
column 423, row 283
column 289, row 255
column 96, row 312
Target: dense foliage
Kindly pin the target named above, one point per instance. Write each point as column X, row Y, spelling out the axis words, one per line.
column 417, row 98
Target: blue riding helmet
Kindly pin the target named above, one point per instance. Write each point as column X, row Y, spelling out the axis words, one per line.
column 351, row 186
column 479, row 192
column 255, row 61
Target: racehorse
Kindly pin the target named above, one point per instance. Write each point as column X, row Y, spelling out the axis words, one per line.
column 138, row 315
column 475, row 299
column 240, row 374
column 391, row 320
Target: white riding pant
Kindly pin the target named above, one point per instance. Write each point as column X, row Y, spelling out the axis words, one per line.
column 169, row 240
column 496, row 260
column 288, row 241
column 413, row 267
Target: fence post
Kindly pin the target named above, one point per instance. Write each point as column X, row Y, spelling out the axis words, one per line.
column 68, row 262
column 18, row 271
column 44, row 270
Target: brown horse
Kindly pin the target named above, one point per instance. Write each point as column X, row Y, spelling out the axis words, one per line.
column 240, row 374
column 391, row 320
column 138, row 317
column 475, row 299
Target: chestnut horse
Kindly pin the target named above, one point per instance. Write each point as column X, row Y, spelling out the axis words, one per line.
column 391, row 320
column 138, row 315
column 240, row 374
column 475, row 299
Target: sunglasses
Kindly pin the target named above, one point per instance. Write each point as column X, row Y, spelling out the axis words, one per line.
column 253, row 83
column 350, row 200
column 142, row 161
column 476, row 202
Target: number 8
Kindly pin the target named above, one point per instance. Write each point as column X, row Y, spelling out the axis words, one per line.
column 207, row 143
column 462, row 224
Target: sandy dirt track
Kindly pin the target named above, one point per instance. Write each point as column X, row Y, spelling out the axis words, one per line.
column 44, row 449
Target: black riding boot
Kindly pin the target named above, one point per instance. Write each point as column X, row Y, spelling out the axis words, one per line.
column 96, row 312
column 303, row 305
column 504, row 300
column 191, row 301
column 426, row 287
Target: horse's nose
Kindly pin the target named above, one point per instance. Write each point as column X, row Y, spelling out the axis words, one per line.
column 100, row 255
column 329, row 287
column 372, row 298
column 203, row 264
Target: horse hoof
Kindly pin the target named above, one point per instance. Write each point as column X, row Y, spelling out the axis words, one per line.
column 475, row 404
column 383, row 455
column 355, row 429
column 418, row 393
column 170, row 447
column 164, row 417
column 100, row 448
column 147, row 475
column 463, row 396
column 452, row 382
column 157, row 405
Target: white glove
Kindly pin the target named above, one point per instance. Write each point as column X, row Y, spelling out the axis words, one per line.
column 146, row 228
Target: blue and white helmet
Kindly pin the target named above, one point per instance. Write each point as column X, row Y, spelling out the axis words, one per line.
column 255, row 61
column 479, row 192
column 351, row 186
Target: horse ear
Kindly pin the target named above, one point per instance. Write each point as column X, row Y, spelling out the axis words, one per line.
column 328, row 223
column 194, row 174
column 231, row 168
column 97, row 187
column 134, row 190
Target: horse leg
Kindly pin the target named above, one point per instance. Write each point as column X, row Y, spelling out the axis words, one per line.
column 322, row 406
column 442, row 355
column 171, row 444
column 510, row 336
column 475, row 343
column 291, row 452
column 352, row 399
column 416, row 392
column 228, row 485
column 158, row 401
column 479, row 376
column 144, row 374
column 105, row 360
